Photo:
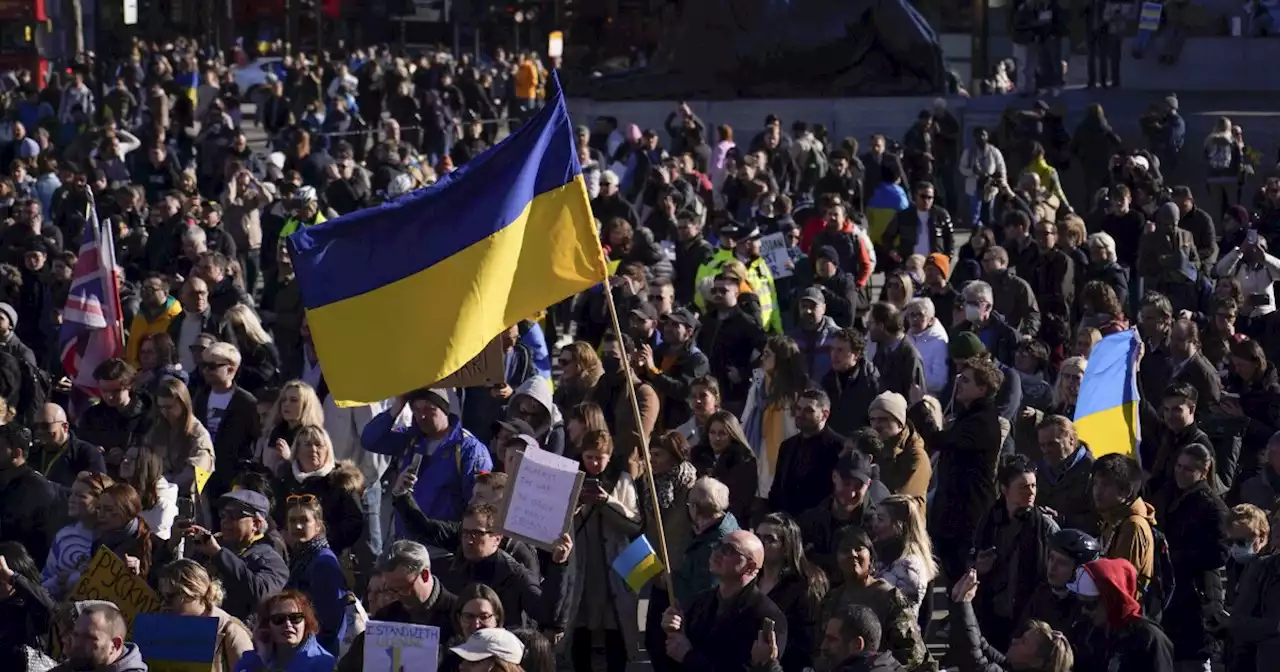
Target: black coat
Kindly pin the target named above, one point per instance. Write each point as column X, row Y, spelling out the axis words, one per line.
column 237, row 432
column 212, row 323
column 731, row 339
column 673, row 386
column 791, row 595
column 27, row 617
column 447, row 534
column 1068, row 494
column 881, row 661
column 851, row 394
column 1020, row 565
column 521, row 593
column 802, row 475
column 31, row 509
column 722, row 642
column 968, row 647
column 123, row 428
column 259, row 367
column 61, row 465
column 1193, row 521
column 821, row 531
column 903, row 230
column 968, row 452
column 343, row 510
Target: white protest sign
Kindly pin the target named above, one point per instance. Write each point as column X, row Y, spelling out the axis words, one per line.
column 396, row 647
column 773, row 248
column 541, row 497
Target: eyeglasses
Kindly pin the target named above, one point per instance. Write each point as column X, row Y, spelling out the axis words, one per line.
column 474, row 534
column 280, row 619
column 306, row 498
column 234, row 514
column 469, row 617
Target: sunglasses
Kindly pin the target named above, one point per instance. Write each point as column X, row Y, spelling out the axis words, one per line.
column 280, row 619
column 300, row 499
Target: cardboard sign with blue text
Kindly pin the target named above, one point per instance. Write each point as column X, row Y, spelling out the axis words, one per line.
column 172, row 643
column 401, row 647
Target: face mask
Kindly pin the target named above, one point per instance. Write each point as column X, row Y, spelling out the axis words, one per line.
column 1242, row 552
column 611, row 365
column 973, row 313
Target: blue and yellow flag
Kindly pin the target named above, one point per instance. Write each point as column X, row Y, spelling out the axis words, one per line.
column 1107, row 406
column 637, row 563
column 402, row 295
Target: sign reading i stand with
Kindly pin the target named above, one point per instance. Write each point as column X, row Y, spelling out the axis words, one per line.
column 130, row 12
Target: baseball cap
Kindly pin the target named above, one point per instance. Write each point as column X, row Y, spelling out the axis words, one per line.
column 854, row 465
column 646, row 311
column 684, row 316
column 251, row 500
column 748, row 232
column 515, row 426
column 813, row 294
column 487, row 643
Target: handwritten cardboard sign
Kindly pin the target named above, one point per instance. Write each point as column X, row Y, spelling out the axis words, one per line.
column 108, row 578
column 773, row 249
column 393, row 647
column 173, row 643
column 487, row 368
column 541, row 497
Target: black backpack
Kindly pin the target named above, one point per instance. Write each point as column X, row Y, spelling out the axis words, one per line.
column 34, row 390
column 1158, row 592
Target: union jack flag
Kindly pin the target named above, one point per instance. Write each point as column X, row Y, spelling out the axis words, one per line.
column 92, row 330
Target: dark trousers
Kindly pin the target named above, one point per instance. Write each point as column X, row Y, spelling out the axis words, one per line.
column 615, row 651
column 1104, row 59
column 655, row 639
column 955, row 556
column 250, row 263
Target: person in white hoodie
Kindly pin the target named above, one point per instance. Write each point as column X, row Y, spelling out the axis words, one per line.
column 978, row 163
column 930, row 339
column 144, row 470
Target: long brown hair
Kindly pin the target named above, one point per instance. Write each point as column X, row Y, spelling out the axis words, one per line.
column 147, row 471
column 126, row 497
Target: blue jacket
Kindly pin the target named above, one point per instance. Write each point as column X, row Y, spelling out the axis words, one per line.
column 445, row 480
column 534, row 339
column 310, row 657
column 326, row 586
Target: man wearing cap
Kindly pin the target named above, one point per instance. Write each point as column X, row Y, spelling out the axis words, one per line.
column 642, row 325
column 241, row 554
column 672, row 368
column 850, row 500
column 490, row 644
column 9, row 341
column 813, row 334
column 610, row 204
column 451, row 457
column 730, row 336
column 729, row 233
column 305, row 208
column 692, row 252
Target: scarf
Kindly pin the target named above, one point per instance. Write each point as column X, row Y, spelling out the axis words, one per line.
column 303, row 554
column 114, row 539
column 302, row 476
column 665, row 486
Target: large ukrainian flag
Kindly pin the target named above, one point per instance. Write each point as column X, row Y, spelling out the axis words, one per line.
column 1107, row 407
column 402, row 295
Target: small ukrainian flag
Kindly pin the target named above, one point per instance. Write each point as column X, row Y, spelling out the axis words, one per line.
column 638, row 563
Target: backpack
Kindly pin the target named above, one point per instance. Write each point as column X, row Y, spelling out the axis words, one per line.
column 34, row 390
column 1158, row 592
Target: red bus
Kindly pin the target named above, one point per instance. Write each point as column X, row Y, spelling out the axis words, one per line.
column 21, row 23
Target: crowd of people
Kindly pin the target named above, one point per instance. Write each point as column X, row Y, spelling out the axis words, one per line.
column 821, row 457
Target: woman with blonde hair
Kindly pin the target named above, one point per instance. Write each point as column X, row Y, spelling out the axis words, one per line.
column 1039, row 648
column 69, row 553
column 1070, row 376
column 186, row 589
column 904, row 551
column 313, row 473
column 898, row 289
column 260, row 361
column 1223, row 158
column 580, row 370
column 296, row 406
column 178, row 437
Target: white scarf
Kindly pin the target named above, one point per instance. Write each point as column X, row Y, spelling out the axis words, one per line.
column 301, row 476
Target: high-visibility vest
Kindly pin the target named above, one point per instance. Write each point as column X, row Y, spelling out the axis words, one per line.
column 709, row 270
column 293, row 225
column 761, row 280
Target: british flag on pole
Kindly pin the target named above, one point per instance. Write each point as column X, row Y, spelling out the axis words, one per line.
column 92, row 330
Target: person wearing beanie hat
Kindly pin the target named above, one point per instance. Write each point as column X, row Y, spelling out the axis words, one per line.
column 1164, row 250
column 9, row 341
column 839, row 288
column 904, row 465
column 1199, row 224
column 964, row 345
column 451, row 457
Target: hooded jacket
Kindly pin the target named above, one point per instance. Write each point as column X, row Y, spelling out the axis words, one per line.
column 129, row 661
column 550, row 434
column 1126, row 534
column 447, row 476
column 1133, row 643
column 109, row 427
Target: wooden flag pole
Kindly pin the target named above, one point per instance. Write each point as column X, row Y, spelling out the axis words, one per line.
column 644, row 448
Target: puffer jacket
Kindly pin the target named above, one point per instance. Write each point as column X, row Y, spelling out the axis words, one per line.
column 932, row 346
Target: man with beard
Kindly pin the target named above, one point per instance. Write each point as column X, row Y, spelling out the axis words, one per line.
column 58, row 454
column 674, row 366
column 849, row 642
column 802, row 477
column 98, row 642
column 813, row 334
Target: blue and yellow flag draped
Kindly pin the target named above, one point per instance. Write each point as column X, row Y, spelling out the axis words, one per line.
column 402, row 295
column 637, row 563
column 1107, row 406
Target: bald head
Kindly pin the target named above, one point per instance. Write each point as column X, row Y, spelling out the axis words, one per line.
column 748, row 544
column 51, row 428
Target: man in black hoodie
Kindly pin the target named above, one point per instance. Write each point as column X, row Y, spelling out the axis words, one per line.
column 851, row 384
column 123, row 417
column 849, row 642
column 30, row 507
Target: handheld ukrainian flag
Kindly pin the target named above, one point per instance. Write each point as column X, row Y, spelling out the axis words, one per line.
column 1107, row 406
column 637, row 563
column 402, row 295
